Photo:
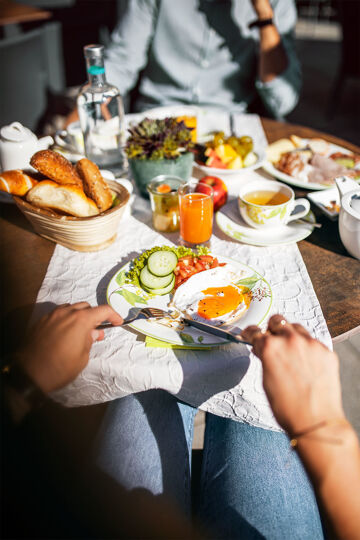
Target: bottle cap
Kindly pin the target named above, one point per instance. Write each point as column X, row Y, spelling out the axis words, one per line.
column 94, row 55
column 93, row 51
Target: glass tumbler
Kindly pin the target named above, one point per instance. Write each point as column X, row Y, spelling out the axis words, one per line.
column 196, row 213
column 164, row 200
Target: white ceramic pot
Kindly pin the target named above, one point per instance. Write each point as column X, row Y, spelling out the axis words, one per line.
column 349, row 217
column 18, row 144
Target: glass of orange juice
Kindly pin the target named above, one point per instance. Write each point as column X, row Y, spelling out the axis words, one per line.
column 196, row 213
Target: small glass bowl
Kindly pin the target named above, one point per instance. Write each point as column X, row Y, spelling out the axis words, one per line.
column 164, row 199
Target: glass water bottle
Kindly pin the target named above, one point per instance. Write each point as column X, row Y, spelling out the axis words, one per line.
column 101, row 114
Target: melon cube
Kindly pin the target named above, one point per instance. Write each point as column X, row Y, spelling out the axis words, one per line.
column 235, row 163
column 225, row 152
column 250, row 159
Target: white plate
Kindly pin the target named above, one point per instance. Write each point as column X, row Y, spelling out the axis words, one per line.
column 322, row 199
column 298, row 182
column 230, row 222
column 257, row 312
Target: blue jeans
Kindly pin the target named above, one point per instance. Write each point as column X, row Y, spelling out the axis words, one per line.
column 252, row 485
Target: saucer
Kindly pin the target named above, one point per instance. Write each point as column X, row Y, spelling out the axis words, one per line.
column 230, row 222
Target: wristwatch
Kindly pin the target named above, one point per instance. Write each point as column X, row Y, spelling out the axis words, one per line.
column 15, row 377
column 260, row 23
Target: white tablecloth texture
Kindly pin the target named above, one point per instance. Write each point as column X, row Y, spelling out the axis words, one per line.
column 226, row 380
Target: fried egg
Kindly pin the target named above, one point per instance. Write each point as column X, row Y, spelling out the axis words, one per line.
column 212, row 296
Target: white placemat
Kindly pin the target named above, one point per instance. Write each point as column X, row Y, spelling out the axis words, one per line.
column 226, row 381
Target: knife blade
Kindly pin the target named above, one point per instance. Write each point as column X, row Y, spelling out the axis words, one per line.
column 216, row 331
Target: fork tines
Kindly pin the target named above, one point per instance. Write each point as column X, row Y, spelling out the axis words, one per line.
column 154, row 312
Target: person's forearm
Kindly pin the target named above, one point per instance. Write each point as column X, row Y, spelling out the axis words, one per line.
column 272, row 55
column 332, row 458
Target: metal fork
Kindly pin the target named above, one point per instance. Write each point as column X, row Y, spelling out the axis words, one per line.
column 157, row 313
column 136, row 313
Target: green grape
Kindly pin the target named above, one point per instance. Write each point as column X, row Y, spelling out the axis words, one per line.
column 238, row 148
column 219, row 138
column 247, row 144
column 233, row 141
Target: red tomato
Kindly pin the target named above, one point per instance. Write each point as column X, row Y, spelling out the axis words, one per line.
column 186, row 260
column 188, row 266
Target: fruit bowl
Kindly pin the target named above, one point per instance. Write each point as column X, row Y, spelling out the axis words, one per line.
column 227, row 174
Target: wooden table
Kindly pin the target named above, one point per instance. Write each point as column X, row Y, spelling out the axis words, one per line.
column 15, row 13
column 335, row 275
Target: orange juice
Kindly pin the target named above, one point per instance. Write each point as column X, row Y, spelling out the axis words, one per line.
column 190, row 122
column 196, row 217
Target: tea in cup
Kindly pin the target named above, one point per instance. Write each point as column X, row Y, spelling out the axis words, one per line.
column 265, row 204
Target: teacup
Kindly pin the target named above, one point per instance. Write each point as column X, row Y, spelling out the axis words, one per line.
column 266, row 204
column 71, row 137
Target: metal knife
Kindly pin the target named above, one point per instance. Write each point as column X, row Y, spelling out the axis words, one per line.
column 216, row 331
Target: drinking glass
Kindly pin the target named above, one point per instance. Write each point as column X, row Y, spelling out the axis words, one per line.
column 196, row 213
column 164, row 199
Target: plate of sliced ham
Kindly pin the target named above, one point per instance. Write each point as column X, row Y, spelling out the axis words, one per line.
column 310, row 163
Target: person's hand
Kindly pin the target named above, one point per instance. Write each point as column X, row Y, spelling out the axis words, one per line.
column 301, row 376
column 262, row 8
column 59, row 345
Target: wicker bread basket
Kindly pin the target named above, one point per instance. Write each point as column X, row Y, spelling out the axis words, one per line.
column 81, row 234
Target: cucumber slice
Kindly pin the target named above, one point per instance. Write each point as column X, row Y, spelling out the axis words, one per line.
column 164, row 290
column 154, row 282
column 162, row 263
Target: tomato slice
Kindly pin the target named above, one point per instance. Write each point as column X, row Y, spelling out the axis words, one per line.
column 186, row 260
column 188, row 266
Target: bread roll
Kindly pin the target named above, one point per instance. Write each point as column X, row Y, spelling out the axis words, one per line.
column 319, row 146
column 297, row 141
column 66, row 198
column 94, row 185
column 16, row 182
column 56, row 167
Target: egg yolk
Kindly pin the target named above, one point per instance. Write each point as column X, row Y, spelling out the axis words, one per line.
column 221, row 300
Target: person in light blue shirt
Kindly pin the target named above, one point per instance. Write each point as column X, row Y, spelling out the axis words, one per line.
column 206, row 52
